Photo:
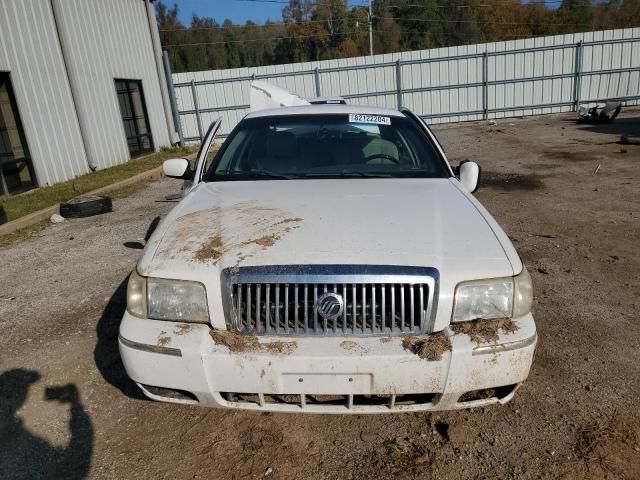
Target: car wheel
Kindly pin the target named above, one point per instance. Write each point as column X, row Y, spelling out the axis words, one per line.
column 85, row 207
column 3, row 216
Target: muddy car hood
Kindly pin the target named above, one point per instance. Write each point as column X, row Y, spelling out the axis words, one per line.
column 419, row 222
column 425, row 222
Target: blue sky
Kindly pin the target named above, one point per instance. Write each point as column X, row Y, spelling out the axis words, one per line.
column 237, row 11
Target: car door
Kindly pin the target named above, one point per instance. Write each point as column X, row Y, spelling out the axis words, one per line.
column 204, row 158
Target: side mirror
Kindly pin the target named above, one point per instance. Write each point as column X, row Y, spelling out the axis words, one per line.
column 469, row 173
column 177, row 168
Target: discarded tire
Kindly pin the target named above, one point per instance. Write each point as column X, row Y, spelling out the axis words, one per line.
column 630, row 140
column 3, row 216
column 85, row 207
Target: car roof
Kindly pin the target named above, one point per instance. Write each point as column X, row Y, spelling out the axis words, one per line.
column 324, row 110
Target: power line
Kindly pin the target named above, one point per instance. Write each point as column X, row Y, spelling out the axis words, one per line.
column 402, row 19
column 249, row 40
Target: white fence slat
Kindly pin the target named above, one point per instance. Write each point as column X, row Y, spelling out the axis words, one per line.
column 529, row 81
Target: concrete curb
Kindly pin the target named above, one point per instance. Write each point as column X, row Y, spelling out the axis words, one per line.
column 45, row 213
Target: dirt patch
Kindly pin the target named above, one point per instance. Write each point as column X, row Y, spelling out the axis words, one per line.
column 210, row 250
column 352, row 346
column 258, row 437
column 485, row 331
column 268, row 240
column 348, row 345
column 265, row 240
column 611, row 446
column 205, row 237
column 429, row 347
column 572, row 155
column 163, row 339
column 290, row 220
column 238, row 343
column 182, row 329
column 511, row 181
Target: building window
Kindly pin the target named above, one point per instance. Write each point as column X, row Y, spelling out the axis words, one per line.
column 16, row 168
column 134, row 116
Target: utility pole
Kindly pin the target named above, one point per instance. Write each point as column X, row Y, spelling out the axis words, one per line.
column 370, row 30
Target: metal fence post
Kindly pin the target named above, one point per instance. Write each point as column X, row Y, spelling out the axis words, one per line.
column 172, row 97
column 316, row 75
column 398, row 84
column 485, row 85
column 3, row 183
column 196, row 108
column 578, row 76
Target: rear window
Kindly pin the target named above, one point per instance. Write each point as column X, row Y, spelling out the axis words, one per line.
column 317, row 146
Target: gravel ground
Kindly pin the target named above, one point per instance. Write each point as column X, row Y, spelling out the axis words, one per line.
column 568, row 197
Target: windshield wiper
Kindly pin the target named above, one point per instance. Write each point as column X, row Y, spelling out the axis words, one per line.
column 258, row 174
column 350, row 173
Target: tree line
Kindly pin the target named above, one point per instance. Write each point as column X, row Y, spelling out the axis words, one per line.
column 326, row 29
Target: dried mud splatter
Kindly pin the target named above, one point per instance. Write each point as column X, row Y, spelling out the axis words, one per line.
column 485, row 331
column 264, row 241
column 428, row 347
column 348, row 345
column 163, row 339
column 238, row 343
column 210, row 250
column 182, row 329
column 254, row 227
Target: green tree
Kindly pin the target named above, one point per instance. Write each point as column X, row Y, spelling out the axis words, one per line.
column 574, row 16
column 323, row 29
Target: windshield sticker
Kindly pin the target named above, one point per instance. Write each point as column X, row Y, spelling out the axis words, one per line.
column 366, row 127
column 363, row 118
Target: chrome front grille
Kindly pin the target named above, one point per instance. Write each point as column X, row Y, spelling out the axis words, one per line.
column 282, row 300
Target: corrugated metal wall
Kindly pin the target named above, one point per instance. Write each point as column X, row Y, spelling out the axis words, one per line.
column 100, row 40
column 444, row 85
column 109, row 40
column 30, row 51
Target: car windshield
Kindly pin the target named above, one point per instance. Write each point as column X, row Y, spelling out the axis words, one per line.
column 326, row 146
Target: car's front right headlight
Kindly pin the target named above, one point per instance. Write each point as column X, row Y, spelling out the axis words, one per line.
column 508, row 297
column 163, row 299
column 137, row 295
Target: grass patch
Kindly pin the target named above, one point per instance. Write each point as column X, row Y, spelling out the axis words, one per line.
column 22, row 234
column 43, row 197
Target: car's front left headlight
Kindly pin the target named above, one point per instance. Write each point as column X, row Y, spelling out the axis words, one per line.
column 162, row 299
column 508, row 297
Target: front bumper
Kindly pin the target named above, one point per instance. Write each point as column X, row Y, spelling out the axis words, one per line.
column 181, row 363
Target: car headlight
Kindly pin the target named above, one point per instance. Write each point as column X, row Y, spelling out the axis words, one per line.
column 162, row 299
column 508, row 297
column 137, row 295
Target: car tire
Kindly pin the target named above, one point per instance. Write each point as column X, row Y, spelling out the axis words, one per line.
column 85, row 207
column 3, row 216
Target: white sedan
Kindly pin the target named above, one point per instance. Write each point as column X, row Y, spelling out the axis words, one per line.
column 328, row 259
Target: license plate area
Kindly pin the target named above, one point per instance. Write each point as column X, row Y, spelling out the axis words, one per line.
column 326, row 383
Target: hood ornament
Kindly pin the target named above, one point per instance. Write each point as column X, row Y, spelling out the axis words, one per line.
column 330, row 305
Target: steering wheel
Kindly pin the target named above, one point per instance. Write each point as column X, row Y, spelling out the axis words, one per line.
column 382, row 156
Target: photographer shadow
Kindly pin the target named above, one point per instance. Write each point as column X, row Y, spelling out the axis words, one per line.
column 106, row 354
column 24, row 455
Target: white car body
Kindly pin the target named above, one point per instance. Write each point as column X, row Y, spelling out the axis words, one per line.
column 432, row 226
